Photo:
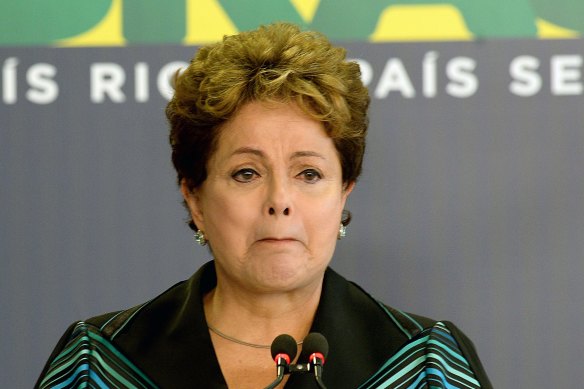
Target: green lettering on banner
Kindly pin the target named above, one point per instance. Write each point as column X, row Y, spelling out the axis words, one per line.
column 41, row 22
column 154, row 21
column 348, row 19
column 120, row 22
column 247, row 15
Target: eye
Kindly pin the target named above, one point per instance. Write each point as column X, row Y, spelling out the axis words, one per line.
column 310, row 175
column 245, row 175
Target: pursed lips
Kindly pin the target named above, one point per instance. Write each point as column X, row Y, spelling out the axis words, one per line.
column 277, row 240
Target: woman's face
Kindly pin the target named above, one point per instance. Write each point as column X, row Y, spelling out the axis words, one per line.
column 272, row 202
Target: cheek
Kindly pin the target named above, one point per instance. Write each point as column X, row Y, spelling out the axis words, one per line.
column 227, row 216
column 324, row 218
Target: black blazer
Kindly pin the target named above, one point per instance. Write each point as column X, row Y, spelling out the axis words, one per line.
column 166, row 343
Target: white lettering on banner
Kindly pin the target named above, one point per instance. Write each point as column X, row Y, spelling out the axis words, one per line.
column 107, row 79
column 9, row 95
column 463, row 82
column 394, row 78
column 429, row 74
column 566, row 77
column 141, row 84
column 44, row 90
column 526, row 81
column 165, row 78
column 436, row 76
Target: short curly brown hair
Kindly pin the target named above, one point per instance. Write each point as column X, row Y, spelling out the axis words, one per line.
column 276, row 62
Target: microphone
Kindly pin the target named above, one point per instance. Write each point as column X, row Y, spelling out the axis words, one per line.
column 315, row 348
column 284, row 351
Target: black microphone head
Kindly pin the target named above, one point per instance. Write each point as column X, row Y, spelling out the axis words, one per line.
column 314, row 343
column 284, row 344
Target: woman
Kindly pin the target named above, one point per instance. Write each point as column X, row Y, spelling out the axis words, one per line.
column 268, row 133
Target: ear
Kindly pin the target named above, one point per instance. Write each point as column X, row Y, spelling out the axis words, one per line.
column 193, row 201
column 347, row 189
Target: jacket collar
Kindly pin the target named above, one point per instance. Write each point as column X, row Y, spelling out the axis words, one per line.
column 169, row 339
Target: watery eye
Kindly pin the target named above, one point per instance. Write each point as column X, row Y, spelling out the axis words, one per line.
column 244, row 175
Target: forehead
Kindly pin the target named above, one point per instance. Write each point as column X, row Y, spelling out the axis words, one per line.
column 273, row 125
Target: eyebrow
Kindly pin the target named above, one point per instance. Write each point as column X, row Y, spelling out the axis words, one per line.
column 299, row 154
column 259, row 153
column 248, row 150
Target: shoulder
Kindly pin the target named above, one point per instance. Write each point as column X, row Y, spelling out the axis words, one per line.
column 84, row 355
column 441, row 341
column 176, row 300
column 89, row 351
column 438, row 340
column 109, row 324
column 411, row 323
column 132, row 339
column 468, row 350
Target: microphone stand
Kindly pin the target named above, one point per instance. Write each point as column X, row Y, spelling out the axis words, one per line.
column 281, row 370
column 316, row 362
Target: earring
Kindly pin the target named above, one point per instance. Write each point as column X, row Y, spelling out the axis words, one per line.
column 342, row 231
column 200, row 237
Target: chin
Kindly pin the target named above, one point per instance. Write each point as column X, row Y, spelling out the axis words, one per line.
column 287, row 275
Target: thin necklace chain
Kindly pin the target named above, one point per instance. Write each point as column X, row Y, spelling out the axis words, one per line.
column 241, row 342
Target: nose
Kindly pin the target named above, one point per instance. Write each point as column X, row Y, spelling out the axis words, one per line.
column 278, row 198
column 272, row 211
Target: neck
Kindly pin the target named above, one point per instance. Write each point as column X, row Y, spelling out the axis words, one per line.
column 260, row 317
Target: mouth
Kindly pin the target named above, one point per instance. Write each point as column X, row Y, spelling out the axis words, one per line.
column 276, row 240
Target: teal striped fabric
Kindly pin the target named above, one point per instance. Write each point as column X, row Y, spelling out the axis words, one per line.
column 91, row 361
column 431, row 359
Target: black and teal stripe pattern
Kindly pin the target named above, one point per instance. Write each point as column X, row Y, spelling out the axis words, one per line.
column 431, row 359
column 91, row 361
